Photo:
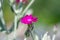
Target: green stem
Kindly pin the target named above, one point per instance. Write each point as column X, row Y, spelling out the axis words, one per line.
column 32, row 35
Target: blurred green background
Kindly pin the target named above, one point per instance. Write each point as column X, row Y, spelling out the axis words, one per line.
column 47, row 11
column 8, row 14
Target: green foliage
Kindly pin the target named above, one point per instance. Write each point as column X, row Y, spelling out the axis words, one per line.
column 8, row 14
column 47, row 11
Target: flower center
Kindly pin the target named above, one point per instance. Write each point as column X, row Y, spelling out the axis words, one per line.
column 29, row 19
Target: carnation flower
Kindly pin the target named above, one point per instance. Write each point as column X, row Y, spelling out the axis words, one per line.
column 28, row 19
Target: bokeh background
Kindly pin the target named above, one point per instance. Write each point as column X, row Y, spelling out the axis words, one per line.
column 47, row 11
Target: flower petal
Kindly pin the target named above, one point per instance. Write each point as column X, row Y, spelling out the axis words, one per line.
column 28, row 19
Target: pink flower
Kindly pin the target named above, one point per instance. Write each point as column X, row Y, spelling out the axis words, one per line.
column 28, row 19
column 23, row 1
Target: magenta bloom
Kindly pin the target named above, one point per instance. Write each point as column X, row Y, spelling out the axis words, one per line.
column 17, row 1
column 23, row 1
column 28, row 19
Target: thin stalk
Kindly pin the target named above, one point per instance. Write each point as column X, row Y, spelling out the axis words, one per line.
column 32, row 1
column 53, row 38
column 15, row 26
column 55, row 31
column 32, row 35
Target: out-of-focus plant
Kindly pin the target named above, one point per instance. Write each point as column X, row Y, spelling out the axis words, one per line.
column 48, row 37
column 48, row 11
column 2, row 21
